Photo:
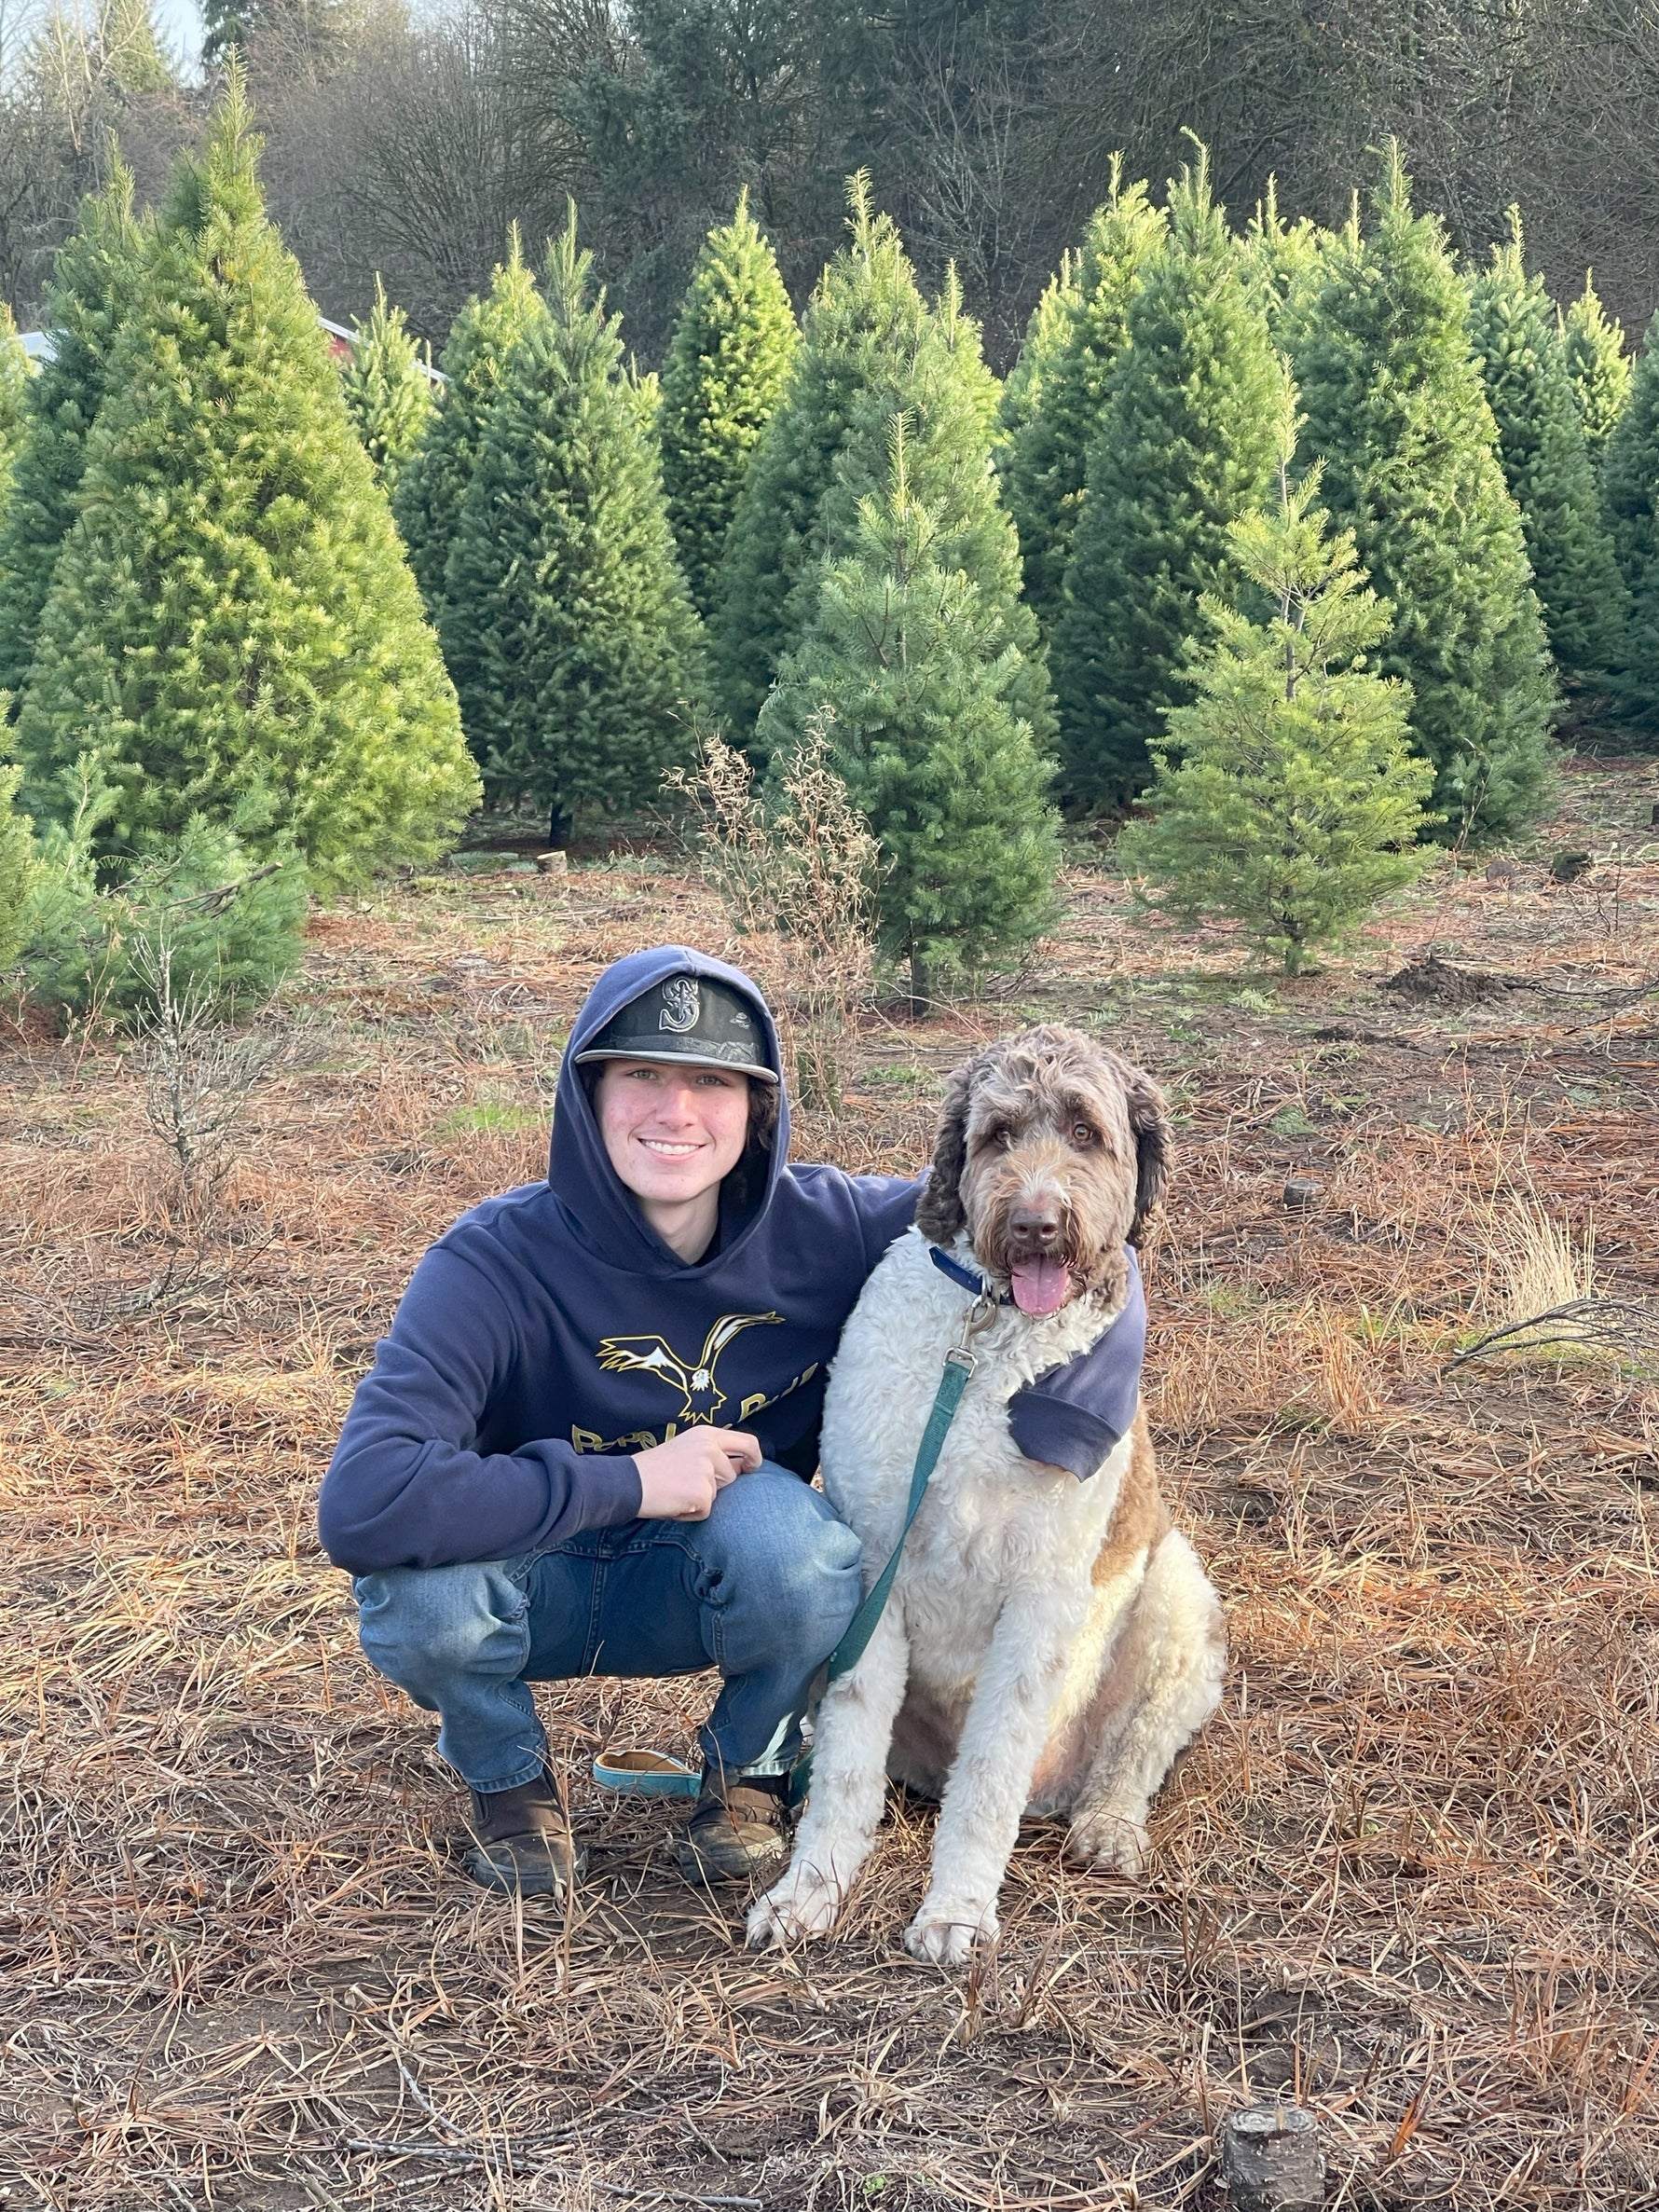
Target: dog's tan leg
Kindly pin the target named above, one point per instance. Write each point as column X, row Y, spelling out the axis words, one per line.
column 849, row 1787
column 1002, row 1740
column 1171, row 1661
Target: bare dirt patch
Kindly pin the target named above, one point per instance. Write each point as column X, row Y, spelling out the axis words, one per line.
column 1409, row 1875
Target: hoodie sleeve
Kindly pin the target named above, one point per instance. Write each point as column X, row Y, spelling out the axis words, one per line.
column 407, row 1487
column 887, row 1206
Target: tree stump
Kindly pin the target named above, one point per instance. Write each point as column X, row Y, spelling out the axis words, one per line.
column 1271, row 2160
column 555, row 863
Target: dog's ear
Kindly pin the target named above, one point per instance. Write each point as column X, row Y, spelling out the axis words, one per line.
column 1150, row 1121
column 939, row 1214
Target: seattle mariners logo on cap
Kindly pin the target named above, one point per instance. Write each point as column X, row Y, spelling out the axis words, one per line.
column 681, row 1004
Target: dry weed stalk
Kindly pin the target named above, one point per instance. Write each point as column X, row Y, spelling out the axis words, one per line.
column 795, row 879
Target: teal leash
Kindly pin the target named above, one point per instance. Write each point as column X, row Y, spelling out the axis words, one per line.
column 959, row 1366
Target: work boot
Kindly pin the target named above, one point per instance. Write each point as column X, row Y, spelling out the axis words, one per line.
column 521, row 1841
column 739, row 1830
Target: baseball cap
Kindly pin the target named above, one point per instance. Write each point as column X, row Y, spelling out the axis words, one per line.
column 687, row 1021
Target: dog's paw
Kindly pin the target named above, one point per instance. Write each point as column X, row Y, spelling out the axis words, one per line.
column 1110, row 1840
column 946, row 1932
column 803, row 1905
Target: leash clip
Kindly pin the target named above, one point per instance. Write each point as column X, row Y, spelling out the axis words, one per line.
column 978, row 1315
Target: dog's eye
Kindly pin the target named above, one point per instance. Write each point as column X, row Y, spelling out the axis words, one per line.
column 1082, row 1135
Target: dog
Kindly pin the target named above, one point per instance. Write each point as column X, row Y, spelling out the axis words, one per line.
column 1050, row 1642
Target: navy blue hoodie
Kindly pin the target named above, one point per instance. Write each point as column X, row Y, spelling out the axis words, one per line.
column 550, row 1334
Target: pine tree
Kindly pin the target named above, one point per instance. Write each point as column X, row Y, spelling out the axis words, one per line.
column 1052, row 408
column 1546, row 465
column 911, row 670
column 1185, row 446
column 1393, row 403
column 566, row 622
column 1281, row 259
column 14, row 389
column 1598, row 366
column 728, row 365
column 1286, row 794
column 388, row 396
column 17, row 867
column 949, row 401
column 1630, row 501
column 231, row 630
column 432, row 482
column 866, row 312
column 96, row 283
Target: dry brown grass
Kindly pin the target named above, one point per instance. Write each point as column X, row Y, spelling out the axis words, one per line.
column 1410, row 1874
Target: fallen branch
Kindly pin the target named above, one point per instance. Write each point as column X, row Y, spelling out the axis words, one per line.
column 1609, row 1322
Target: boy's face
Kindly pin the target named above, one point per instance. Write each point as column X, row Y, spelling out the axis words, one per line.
column 671, row 1132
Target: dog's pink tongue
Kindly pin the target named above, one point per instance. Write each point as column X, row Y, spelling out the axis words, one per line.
column 1040, row 1285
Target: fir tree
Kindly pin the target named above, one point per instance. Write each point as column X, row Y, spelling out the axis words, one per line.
column 1286, row 794
column 1393, row 403
column 14, row 386
column 949, row 401
column 566, row 620
column 231, row 630
column 733, row 350
column 388, row 395
column 432, row 482
column 1281, row 259
column 1546, row 465
column 1630, row 500
column 864, row 315
column 97, row 281
column 1598, row 366
column 17, row 867
column 911, row 670
column 1185, row 446
column 1052, row 408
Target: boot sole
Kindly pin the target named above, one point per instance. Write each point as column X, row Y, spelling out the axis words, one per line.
column 513, row 1879
column 704, row 1871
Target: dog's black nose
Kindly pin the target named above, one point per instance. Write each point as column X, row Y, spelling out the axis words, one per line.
column 1035, row 1228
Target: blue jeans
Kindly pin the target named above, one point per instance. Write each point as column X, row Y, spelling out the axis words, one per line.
column 762, row 1589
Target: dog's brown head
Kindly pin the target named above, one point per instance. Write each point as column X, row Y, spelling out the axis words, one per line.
column 1051, row 1154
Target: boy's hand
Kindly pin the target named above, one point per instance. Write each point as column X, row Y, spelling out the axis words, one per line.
column 678, row 1480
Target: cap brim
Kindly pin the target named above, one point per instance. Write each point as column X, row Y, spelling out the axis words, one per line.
column 730, row 1067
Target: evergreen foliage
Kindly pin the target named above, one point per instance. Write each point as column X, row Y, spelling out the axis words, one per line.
column 1546, row 464
column 1286, row 794
column 1185, row 446
column 911, row 670
column 949, row 402
column 434, row 481
column 19, row 871
column 1052, row 408
column 1393, row 403
column 98, row 280
column 14, row 388
column 862, row 325
column 1593, row 344
column 1630, row 500
column 231, row 630
column 1281, row 259
column 387, row 397
column 733, row 350
column 566, row 622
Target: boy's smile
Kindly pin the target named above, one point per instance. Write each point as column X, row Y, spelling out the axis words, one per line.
column 673, row 1133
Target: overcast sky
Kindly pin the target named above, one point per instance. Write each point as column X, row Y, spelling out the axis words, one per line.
column 181, row 24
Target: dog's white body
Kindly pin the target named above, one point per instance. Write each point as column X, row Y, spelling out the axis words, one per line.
column 1050, row 1645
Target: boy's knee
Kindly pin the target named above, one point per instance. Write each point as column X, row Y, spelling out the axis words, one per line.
column 420, row 1625
column 790, row 1558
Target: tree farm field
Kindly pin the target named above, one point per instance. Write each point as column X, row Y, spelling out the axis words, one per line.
column 1408, row 1876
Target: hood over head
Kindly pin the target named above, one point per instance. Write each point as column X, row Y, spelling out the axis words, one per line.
column 601, row 1210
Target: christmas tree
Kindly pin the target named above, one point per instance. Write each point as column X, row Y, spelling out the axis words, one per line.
column 14, row 386
column 1546, row 465
column 1598, row 366
column 1286, row 794
column 1052, row 407
column 733, row 350
column 911, row 671
column 950, row 401
column 97, row 278
column 566, row 620
column 17, row 867
column 1281, row 259
column 388, row 396
column 1185, row 446
column 864, row 320
column 232, row 631
column 432, row 482
column 1630, row 500
column 1394, row 406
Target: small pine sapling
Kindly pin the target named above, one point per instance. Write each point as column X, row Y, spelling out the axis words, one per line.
column 1597, row 361
column 1286, row 796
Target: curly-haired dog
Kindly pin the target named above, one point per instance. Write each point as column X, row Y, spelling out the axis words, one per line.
column 1050, row 1642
